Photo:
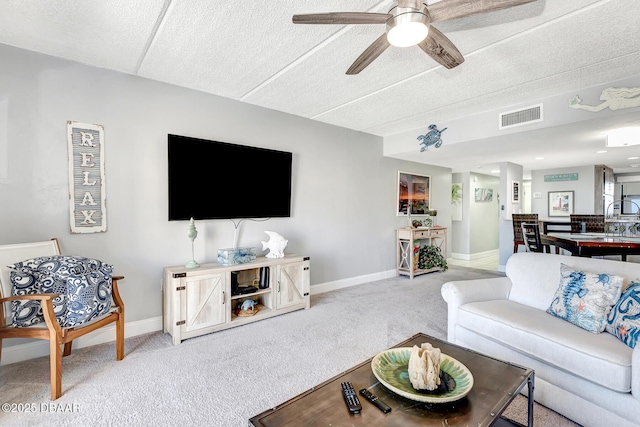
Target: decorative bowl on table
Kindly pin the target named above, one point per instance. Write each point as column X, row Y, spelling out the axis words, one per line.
column 391, row 368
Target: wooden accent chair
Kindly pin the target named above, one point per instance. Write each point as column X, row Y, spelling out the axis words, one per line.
column 531, row 235
column 51, row 330
column 518, row 220
column 594, row 223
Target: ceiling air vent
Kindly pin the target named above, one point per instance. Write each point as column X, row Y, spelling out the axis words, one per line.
column 520, row 117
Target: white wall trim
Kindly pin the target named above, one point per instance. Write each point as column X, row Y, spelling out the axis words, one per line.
column 352, row 281
column 30, row 350
column 40, row 348
column 477, row 255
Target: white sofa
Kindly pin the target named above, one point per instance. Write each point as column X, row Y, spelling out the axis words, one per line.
column 585, row 376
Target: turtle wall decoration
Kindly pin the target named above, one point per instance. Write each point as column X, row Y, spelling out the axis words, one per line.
column 431, row 138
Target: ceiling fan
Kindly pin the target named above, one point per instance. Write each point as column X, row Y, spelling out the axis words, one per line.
column 409, row 23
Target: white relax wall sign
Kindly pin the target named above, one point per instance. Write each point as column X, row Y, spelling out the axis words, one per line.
column 86, row 178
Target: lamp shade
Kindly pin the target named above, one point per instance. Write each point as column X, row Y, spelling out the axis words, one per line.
column 407, row 29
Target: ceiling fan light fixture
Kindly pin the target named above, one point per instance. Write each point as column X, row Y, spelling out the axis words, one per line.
column 407, row 29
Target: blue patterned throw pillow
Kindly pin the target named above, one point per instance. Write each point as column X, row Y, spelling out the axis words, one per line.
column 624, row 319
column 59, row 265
column 584, row 298
column 88, row 296
column 27, row 313
column 83, row 286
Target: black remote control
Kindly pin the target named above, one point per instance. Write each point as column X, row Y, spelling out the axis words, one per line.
column 374, row 399
column 351, row 398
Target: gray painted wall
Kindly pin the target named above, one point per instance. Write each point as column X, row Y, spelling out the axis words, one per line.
column 583, row 188
column 460, row 229
column 484, row 216
column 478, row 232
column 344, row 190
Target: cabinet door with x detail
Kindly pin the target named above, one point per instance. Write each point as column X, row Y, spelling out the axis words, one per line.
column 202, row 302
column 291, row 285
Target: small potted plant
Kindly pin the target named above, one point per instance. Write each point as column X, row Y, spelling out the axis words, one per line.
column 430, row 257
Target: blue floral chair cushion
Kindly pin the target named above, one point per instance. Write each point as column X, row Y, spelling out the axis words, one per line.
column 27, row 313
column 624, row 319
column 60, row 265
column 584, row 298
column 83, row 285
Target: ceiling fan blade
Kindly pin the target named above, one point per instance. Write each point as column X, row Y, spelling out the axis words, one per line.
column 440, row 48
column 342, row 18
column 453, row 9
column 370, row 53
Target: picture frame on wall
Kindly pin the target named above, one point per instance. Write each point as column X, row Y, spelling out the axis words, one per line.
column 456, row 201
column 87, row 200
column 483, row 195
column 561, row 203
column 515, row 192
column 413, row 191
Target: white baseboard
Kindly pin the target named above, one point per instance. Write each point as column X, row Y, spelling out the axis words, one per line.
column 352, row 281
column 39, row 348
column 475, row 256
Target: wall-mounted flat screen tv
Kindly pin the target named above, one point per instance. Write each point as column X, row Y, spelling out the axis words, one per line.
column 220, row 180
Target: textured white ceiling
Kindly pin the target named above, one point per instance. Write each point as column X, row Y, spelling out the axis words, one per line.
column 251, row 51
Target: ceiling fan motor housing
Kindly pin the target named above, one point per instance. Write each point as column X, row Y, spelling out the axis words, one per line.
column 407, row 26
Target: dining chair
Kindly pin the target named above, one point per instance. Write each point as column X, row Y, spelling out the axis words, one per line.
column 592, row 223
column 30, row 305
column 517, row 220
column 531, row 235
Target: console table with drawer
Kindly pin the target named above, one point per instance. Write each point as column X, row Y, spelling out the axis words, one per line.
column 409, row 241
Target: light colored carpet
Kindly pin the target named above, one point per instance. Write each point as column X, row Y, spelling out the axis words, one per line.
column 225, row 378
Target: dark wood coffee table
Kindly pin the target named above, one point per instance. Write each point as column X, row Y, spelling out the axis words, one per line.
column 496, row 384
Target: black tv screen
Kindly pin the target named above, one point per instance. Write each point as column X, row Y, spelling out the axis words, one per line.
column 219, row 180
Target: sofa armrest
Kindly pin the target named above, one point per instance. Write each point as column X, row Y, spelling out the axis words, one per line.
column 635, row 372
column 465, row 291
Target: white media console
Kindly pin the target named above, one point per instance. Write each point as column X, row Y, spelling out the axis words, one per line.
column 198, row 301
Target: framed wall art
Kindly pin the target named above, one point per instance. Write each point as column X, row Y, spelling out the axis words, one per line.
column 515, row 191
column 86, row 178
column 484, row 195
column 413, row 191
column 456, row 201
column 560, row 203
